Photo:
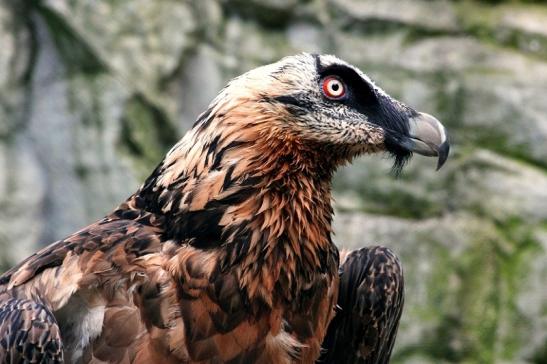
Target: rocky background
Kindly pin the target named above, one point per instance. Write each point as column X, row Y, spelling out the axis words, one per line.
column 93, row 93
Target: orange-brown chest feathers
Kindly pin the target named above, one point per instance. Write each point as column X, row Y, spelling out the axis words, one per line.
column 247, row 210
column 259, row 195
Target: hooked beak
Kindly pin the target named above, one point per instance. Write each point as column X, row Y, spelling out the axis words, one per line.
column 427, row 136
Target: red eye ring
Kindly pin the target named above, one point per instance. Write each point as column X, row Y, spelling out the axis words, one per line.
column 333, row 87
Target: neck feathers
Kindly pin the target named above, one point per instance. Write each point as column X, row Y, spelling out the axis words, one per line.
column 240, row 182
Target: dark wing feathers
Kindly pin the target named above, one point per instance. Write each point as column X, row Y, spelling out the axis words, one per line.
column 28, row 333
column 138, row 237
column 370, row 305
column 363, row 331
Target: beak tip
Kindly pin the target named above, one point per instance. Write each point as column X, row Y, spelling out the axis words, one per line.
column 444, row 150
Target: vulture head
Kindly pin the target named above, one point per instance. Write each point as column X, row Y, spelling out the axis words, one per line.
column 322, row 103
column 255, row 170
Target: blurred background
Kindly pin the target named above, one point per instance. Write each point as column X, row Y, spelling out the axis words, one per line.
column 93, row 93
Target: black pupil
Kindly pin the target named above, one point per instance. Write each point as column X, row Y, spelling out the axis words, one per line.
column 335, row 86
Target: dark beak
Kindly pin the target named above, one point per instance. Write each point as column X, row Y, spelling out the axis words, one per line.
column 427, row 136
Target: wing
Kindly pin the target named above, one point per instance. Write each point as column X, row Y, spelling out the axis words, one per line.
column 136, row 232
column 28, row 333
column 370, row 304
column 87, row 280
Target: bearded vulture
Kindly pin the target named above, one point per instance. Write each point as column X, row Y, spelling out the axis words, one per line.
column 224, row 254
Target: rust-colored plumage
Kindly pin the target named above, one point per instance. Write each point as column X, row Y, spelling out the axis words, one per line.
column 224, row 255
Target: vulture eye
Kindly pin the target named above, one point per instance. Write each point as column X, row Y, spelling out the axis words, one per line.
column 333, row 87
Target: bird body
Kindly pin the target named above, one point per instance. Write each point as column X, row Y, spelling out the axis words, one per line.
column 224, row 254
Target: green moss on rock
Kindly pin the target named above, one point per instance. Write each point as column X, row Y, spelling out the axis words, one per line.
column 147, row 134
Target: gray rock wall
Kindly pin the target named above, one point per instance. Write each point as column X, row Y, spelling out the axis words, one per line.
column 92, row 93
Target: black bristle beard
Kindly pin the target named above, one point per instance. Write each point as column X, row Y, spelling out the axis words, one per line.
column 400, row 155
column 399, row 161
